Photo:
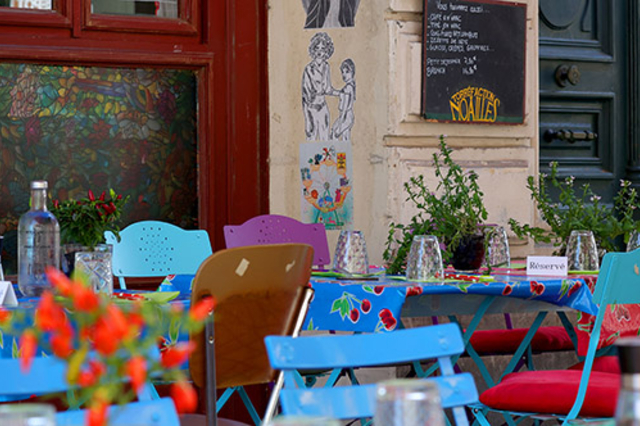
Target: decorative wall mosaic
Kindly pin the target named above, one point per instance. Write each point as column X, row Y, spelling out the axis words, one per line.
column 80, row 128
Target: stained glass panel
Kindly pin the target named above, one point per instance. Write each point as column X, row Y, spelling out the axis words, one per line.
column 81, row 128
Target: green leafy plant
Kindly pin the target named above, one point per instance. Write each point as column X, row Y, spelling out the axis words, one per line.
column 579, row 209
column 85, row 220
column 452, row 212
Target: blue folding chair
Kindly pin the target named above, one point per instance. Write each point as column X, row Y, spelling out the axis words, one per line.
column 156, row 249
column 47, row 375
column 438, row 342
column 569, row 394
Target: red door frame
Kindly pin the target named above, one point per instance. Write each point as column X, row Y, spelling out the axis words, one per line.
column 226, row 42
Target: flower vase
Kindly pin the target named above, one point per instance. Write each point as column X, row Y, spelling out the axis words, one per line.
column 469, row 254
column 96, row 264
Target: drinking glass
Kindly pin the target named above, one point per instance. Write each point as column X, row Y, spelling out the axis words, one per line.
column 27, row 415
column 634, row 241
column 424, row 261
column 302, row 421
column 351, row 256
column 497, row 252
column 408, row 402
column 582, row 252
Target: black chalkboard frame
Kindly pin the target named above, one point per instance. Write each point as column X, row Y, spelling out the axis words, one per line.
column 432, row 91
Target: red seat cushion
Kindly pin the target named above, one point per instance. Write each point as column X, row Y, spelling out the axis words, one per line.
column 505, row 341
column 605, row 364
column 554, row 392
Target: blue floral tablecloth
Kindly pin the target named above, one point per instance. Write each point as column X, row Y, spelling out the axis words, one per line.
column 375, row 306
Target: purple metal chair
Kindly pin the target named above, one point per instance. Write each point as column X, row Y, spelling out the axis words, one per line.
column 276, row 229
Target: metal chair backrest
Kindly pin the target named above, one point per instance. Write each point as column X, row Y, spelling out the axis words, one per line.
column 158, row 412
column 439, row 342
column 258, row 291
column 277, row 229
column 47, row 375
column 156, row 249
column 618, row 283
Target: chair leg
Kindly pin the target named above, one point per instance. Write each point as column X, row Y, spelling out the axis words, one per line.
column 275, row 393
column 273, row 399
column 210, row 371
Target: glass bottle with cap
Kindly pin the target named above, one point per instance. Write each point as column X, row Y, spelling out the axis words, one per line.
column 38, row 243
column 628, row 408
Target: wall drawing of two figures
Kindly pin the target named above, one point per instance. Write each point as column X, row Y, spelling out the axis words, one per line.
column 316, row 86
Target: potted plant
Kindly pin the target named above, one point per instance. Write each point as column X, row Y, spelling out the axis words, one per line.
column 453, row 213
column 110, row 345
column 82, row 226
column 579, row 209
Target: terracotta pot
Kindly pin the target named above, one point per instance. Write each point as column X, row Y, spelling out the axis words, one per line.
column 469, row 253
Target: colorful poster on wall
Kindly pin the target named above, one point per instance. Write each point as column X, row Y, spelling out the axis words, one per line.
column 326, row 170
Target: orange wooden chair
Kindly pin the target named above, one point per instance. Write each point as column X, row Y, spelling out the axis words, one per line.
column 259, row 291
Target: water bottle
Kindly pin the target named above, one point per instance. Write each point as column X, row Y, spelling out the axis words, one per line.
column 38, row 243
column 628, row 408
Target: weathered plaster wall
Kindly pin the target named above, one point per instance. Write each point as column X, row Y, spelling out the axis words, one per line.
column 390, row 140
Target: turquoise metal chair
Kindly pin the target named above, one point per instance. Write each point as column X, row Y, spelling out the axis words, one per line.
column 569, row 394
column 156, row 249
column 48, row 375
column 438, row 342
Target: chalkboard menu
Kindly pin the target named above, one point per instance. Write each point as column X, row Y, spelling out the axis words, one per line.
column 474, row 61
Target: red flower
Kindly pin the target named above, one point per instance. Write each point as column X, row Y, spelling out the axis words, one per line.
column 84, row 298
column 174, row 356
column 61, row 345
column 184, row 397
column 91, row 196
column 49, row 315
column 200, row 311
column 28, row 345
column 97, row 368
column 60, row 281
column 117, row 322
column 97, row 413
column 137, row 371
column 103, row 339
column 87, row 378
column 5, row 316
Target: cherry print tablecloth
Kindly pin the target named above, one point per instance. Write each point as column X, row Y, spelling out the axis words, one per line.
column 375, row 306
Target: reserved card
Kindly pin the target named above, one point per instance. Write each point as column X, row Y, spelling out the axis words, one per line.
column 7, row 295
column 547, row 265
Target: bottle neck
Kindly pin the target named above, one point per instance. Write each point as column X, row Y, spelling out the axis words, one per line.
column 39, row 199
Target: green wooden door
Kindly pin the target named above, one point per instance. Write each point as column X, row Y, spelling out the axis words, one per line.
column 584, row 90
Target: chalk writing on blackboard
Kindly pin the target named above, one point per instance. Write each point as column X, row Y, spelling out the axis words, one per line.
column 473, row 61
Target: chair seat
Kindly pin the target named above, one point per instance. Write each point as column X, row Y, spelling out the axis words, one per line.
column 506, row 341
column 604, row 364
column 554, row 392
